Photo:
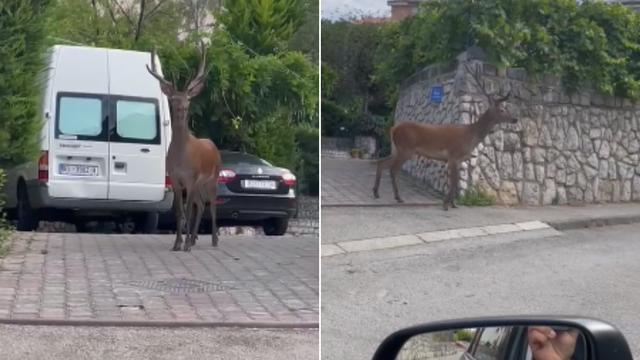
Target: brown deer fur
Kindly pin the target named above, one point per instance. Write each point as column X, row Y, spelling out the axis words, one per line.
column 447, row 142
column 193, row 164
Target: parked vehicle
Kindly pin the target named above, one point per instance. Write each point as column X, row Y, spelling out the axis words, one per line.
column 103, row 143
column 508, row 338
column 251, row 192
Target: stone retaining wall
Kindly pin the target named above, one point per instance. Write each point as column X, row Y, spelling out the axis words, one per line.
column 580, row 148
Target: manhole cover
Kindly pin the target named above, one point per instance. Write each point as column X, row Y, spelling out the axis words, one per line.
column 181, row 286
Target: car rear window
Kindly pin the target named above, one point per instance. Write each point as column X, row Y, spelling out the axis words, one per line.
column 240, row 158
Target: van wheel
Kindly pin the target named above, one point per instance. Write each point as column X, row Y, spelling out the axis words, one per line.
column 27, row 218
column 275, row 226
column 146, row 223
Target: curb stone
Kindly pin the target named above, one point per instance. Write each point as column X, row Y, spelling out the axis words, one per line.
column 389, row 242
column 586, row 223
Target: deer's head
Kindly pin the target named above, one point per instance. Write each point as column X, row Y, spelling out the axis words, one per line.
column 495, row 114
column 179, row 100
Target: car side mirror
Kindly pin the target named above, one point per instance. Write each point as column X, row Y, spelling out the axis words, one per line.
column 508, row 337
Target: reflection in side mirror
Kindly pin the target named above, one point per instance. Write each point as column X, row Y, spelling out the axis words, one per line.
column 534, row 342
column 508, row 338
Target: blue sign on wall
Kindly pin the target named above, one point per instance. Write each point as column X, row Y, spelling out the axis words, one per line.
column 436, row 93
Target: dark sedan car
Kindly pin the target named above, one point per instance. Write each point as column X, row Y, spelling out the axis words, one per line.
column 251, row 192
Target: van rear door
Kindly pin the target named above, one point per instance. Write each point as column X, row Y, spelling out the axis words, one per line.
column 136, row 137
column 78, row 148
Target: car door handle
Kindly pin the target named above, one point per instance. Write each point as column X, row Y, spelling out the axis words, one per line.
column 144, row 150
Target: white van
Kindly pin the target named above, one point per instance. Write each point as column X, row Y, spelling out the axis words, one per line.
column 106, row 131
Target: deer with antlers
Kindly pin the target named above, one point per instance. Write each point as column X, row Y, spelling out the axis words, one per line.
column 450, row 143
column 193, row 164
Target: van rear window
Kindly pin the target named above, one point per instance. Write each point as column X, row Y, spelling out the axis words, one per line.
column 136, row 120
column 130, row 119
column 79, row 117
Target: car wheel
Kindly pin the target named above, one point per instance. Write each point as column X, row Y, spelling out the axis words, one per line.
column 82, row 226
column 146, row 223
column 27, row 218
column 275, row 226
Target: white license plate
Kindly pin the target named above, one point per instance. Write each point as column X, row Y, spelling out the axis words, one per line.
column 78, row 170
column 259, row 184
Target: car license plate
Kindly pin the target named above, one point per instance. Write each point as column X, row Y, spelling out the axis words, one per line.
column 78, row 170
column 259, row 184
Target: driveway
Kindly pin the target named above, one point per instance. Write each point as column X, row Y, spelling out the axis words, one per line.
column 348, row 182
column 66, row 276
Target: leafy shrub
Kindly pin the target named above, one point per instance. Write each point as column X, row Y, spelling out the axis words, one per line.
column 23, row 42
column 463, row 335
column 307, row 140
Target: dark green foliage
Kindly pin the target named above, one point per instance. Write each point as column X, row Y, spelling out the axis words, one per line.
column 307, row 140
column 587, row 43
column 23, row 32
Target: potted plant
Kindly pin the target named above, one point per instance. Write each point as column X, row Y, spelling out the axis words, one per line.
column 355, row 152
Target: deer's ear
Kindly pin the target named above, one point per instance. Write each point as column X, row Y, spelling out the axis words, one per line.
column 167, row 89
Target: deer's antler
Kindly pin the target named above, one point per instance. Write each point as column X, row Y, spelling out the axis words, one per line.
column 154, row 72
column 200, row 74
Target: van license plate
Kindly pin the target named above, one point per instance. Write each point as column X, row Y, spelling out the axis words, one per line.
column 78, row 170
column 259, row 184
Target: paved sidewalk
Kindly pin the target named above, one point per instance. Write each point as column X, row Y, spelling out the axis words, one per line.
column 136, row 277
column 346, row 224
column 348, row 182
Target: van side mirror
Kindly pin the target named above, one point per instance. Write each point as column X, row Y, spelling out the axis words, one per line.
column 533, row 337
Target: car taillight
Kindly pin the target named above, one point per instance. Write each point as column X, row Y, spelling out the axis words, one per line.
column 167, row 180
column 289, row 179
column 43, row 166
column 226, row 176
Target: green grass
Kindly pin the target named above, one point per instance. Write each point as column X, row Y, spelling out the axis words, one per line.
column 476, row 197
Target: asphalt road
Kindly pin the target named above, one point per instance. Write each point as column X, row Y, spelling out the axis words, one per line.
column 80, row 343
column 366, row 296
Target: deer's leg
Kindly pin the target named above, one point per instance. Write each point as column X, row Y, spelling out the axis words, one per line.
column 199, row 207
column 382, row 164
column 178, row 210
column 399, row 160
column 453, row 185
column 213, row 196
column 190, row 205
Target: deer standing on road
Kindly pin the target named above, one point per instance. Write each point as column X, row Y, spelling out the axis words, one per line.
column 450, row 143
column 193, row 164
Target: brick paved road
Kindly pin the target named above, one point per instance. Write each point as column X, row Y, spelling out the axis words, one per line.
column 137, row 277
column 348, row 182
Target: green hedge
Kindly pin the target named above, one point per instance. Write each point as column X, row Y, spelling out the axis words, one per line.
column 307, row 140
column 23, row 41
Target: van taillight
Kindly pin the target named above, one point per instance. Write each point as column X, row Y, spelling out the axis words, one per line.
column 167, row 180
column 43, row 166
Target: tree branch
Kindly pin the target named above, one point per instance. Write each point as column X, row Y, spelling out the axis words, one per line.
column 138, row 29
column 126, row 15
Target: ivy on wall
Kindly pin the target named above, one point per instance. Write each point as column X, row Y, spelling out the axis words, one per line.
column 588, row 44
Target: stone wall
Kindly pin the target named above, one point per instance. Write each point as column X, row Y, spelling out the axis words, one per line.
column 580, row 148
